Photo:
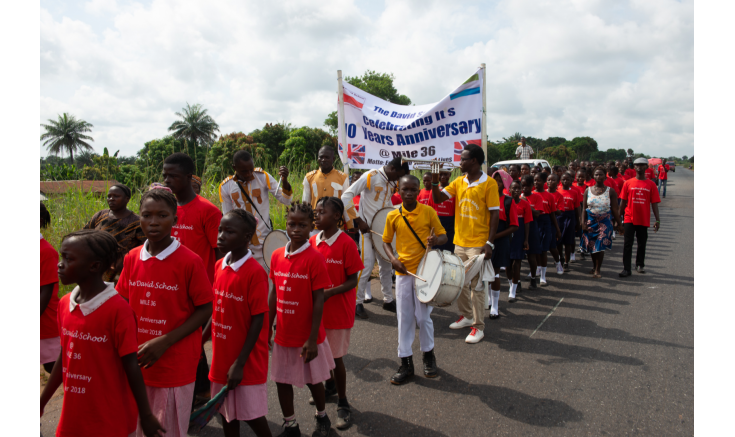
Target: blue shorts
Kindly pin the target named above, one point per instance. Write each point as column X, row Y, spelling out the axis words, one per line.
column 547, row 232
column 567, row 222
column 534, row 241
column 501, row 253
column 516, row 243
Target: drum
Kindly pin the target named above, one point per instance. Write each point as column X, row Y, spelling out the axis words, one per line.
column 378, row 225
column 275, row 240
column 444, row 274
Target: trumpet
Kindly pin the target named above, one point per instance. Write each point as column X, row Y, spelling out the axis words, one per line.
column 429, row 164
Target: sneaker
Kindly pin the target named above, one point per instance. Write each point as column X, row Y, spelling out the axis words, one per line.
column 390, row 306
column 542, row 283
column 344, row 417
column 532, row 286
column 640, row 269
column 566, row 267
column 368, row 300
column 323, row 425
column 574, row 258
column 502, row 269
column 462, row 322
column 293, row 431
column 475, row 336
column 559, row 269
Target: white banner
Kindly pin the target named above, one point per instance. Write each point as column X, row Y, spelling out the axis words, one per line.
column 376, row 131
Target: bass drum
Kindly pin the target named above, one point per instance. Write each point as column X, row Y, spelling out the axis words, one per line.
column 378, row 225
column 444, row 274
column 275, row 240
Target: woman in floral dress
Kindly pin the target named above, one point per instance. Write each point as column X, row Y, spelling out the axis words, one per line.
column 599, row 204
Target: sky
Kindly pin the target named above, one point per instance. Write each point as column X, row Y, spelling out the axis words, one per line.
column 621, row 72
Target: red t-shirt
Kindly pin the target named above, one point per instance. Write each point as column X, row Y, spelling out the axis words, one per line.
column 49, row 261
column 196, row 228
column 579, row 188
column 570, row 199
column 97, row 397
column 342, row 260
column 295, row 278
column 662, row 172
column 650, row 174
column 523, row 210
column 629, row 174
column 240, row 295
column 396, row 199
column 590, row 183
column 163, row 294
column 639, row 195
column 513, row 212
column 444, row 209
column 356, row 202
column 610, row 182
column 619, row 181
column 548, row 203
column 558, row 198
column 536, row 201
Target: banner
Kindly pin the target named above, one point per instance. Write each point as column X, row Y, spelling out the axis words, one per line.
column 377, row 131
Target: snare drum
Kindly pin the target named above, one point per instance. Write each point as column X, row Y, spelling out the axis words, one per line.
column 444, row 274
column 275, row 240
column 378, row 225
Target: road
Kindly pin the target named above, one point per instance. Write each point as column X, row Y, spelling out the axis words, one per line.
column 616, row 356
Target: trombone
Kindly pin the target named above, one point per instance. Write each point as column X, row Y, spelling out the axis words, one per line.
column 429, row 164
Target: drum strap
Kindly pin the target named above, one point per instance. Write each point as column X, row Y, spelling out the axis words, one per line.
column 400, row 209
column 245, row 193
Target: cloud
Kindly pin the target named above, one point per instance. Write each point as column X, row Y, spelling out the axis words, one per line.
column 619, row 72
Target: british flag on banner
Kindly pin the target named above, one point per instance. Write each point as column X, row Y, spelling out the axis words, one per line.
column 355, row 153
column 460, row 145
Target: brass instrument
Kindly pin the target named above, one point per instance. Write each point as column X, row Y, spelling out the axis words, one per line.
column 429, row 164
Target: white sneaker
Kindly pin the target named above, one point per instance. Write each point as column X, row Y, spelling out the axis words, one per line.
column 475, row 336
column 574, row 257
column 538, row 271
column 542, row 283
column 613, row 237
column 462, row 322
column 559, row 269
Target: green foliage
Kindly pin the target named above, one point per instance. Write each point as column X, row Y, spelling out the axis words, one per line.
column 558, row 155
column 378, row 84
column 67, row 133
column 219, row 156
column 691, row 159
column 195, row 126
column 493, row 154
column 583, row 147
column 685, row 158
column 132, row 176
column 151, row 156
column 554, row 141
column 60, row 172
column 273, row 137
column 513, row 138
column 630, row 152
column 303, row 145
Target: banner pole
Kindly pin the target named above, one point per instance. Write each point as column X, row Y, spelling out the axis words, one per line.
column 341, row 121
column 484, row 118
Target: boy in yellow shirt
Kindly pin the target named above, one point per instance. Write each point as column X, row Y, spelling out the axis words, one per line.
column 411, row 248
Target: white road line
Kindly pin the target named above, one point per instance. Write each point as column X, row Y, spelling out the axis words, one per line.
column 547, row 316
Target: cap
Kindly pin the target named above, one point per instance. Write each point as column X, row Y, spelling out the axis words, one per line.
column 641, row 161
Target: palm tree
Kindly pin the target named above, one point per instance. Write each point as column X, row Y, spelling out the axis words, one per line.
column 195, row 126
column 514, row 138
column 67, row 133
column 630, row 152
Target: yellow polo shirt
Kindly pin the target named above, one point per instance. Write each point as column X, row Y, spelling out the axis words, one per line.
column 422, row 219
column 472, row 206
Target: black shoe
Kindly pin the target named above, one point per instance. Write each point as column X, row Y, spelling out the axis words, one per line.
column 566, row 267
column 293, row 431
column 344, row 417
column 640, row 269
column 360, row 311
column 390, row 306
column 370, row 300
column 519, row 288
column 493, row 316
column 323, row 425
column 624, row 273
column 328, row 391
column 404, row 372
column 430, row 370
column 532, row 285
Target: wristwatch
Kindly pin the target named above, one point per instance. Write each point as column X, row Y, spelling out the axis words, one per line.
column 492, row 246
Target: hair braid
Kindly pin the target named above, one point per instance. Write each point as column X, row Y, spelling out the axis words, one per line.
column 304, row 208
column 336, row 205
column 102, row 244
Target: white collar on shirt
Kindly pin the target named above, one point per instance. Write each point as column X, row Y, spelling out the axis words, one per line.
column 237, row 264
column 320, row 237
column 89, row 307
column 298, row 251
column 482, row 179
column 145, row 255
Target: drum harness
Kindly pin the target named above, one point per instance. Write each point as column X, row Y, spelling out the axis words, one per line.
column 270, row 228
column 400, row 209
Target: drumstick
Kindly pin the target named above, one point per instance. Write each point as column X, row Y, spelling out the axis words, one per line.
column 416, row 276
column 376, row 233
column 425, row 254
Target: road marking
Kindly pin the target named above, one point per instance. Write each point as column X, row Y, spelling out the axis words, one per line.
column 547, row 316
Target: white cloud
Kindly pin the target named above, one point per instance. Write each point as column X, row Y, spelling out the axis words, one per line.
column 619, row 72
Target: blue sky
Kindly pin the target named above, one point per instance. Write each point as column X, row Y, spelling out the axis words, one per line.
column 619, row 71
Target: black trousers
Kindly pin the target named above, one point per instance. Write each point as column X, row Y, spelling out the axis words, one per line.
column 641, row 234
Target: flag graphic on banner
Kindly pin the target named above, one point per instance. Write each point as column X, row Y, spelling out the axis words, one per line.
column 355, row 100
column 459, row 147
column 469, row 87
column 355, row 153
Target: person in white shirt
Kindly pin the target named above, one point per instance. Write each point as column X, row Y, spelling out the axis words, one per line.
column 375, row 189
column 523, row 151
column 248, row 189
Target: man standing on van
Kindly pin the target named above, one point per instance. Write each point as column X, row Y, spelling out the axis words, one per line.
column 523, row 151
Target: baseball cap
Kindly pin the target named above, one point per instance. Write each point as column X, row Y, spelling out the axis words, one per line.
column 641, row 161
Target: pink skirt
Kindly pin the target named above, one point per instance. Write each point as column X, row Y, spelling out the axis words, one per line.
column 287, row 367
column 50, row 349
column 172, row 408
column 339, row 341
column 245, row 402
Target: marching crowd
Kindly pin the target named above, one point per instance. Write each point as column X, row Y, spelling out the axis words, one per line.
column 152, row 288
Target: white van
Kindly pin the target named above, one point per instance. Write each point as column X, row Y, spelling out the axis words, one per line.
column 530, row 162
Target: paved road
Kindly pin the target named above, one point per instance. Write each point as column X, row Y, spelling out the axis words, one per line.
column 616, row 357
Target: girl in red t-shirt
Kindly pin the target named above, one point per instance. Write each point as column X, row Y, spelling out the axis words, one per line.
column 169, row 291
column 98, row 363
column 534, row 238
column 301, row 353
column 548, row 228
column 570, row 220
column 343, row 265
column 519, row 242
column 50, row 341
column 239, row 332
